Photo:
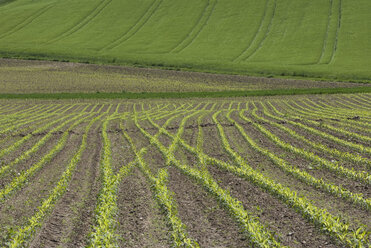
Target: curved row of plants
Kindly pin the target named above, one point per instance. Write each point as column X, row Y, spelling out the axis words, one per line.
column 258, row 235
column 333, row 225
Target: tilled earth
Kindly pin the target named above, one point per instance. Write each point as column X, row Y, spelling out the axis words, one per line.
column 20, row 76
column 146, row 153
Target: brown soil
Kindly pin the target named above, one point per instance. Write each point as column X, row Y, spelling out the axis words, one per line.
column 264, row 165
column 120, row 151
column 316, row 138
column 70, row 221
column 14, row 170
column 141, row 222
column 292, row 229
column 207, row 222
column 75, row 77
column 23, row 203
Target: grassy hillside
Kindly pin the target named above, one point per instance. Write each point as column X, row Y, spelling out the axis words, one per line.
column 318, row 38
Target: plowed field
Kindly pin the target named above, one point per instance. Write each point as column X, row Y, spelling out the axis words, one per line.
column 264, row 172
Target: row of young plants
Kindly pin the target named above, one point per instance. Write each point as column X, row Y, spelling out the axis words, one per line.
column 60, row 112
column 8, row 108
column 7, row 117
column 303, row 176
column 104, row 230
column 315, row 114
column 352, row 157
column 8, row 139
column 346, row 106
column 19, row 123
column 165, row 199
column 168, row 115
column 41, row 129
column 348, row 144
column 257, row 233
column 349, row 109
column 158, row 114
column 36, row 147
column 337, row 130
column 355, row 104
column 341, row 111
column 335, row 167
column 326, row 114
column 334, row 128
column 334, row 226
column 362, row 98
column 339, row 121
column 343, row 107
column 29, row 124
column 162, row 194
column 23, row 177
column 25, row 233
column 11, row 116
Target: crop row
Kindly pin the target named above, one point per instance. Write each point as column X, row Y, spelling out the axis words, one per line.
column 45, row 122
column 294, row 110
column 335, row 152
column 361, row 176
column 351, row 145
column 23, row 234
column 250, row 224
column 333, row 225
column 332, row 128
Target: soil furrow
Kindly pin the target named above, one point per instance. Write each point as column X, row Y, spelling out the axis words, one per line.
column 213, row 227
column 64, row 220
column 141, row 223
column 263, row 164
column 23, row 204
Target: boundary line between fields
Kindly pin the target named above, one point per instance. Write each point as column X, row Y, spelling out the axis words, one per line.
column 170, row 95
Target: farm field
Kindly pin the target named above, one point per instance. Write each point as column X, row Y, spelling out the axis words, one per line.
column 24, row 76
column 283, row 171
column 327, row 39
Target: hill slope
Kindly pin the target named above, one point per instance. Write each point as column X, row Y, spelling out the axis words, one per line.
column 318, row 38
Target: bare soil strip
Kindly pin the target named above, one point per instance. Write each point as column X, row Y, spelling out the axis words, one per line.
column 23, row 204
column 213, row 227
column 141, row 222
column 290, row 227
column 60, row 228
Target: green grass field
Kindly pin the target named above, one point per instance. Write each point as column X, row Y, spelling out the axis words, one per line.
column 320, row 38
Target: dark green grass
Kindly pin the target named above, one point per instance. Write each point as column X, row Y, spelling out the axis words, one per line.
column 3, row 2
column 168, row 95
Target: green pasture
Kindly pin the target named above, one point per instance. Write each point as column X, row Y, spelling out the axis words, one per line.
column 328, row 39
